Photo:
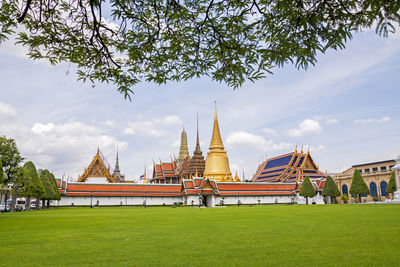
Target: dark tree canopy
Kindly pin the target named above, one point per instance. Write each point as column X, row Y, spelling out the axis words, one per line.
column 1, row 173
column 10, row 158
column 307, row 189
column 358, row 185
column 391, row 186
column 28, row 173
column 126, row 41
column 330, row 188
column 46, row 177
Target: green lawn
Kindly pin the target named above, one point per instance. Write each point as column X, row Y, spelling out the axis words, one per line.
column 330, row 235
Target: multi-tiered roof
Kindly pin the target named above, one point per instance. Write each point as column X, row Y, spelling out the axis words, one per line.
column 289, row 168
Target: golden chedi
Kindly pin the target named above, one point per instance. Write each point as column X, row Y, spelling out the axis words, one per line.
column 217, row 163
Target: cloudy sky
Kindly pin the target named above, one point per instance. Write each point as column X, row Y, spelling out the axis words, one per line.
column 346, row 109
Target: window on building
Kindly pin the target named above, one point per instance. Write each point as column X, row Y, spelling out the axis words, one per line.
column 360, row 170
column 390, row 167
column 383, row 168
column 375, row 169
column 372, row 188
column 345, row 191
column 383, row 188
column 366, row 170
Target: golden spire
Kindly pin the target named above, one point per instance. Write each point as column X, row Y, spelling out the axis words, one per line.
column 216, row 141
column 237, row 179
column 145, row 179
column 217, row 163
column 183, row 150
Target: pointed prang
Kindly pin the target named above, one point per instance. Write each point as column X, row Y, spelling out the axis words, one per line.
column 197, row 149
column 183, row 150
column 216, row 141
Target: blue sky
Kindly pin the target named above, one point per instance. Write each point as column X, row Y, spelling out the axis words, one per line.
column 345, row 108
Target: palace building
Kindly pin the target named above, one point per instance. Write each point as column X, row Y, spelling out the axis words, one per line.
column 187, row 180
column 375, row 174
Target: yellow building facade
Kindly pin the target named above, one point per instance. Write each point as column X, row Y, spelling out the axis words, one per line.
column 375, row 174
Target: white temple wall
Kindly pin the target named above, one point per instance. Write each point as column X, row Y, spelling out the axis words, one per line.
column 318, row 199
column 246, row 200
column 170, row 200
column 115, row 200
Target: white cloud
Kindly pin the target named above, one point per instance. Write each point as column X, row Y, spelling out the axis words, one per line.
column 241, row 139
column 66, row 147
column 370, row 120
column 7, row 111
column 307, row 126
column 317, row 148
column 170, row 120
column 128, row 131
column 332, row 121
column 108, row 123
column 39, row 128
column 152, row 128
column 268, row 131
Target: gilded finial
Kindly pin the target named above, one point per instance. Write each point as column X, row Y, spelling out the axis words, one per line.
column 216, row 141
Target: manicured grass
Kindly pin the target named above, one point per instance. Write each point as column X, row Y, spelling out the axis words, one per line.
column 330, row 235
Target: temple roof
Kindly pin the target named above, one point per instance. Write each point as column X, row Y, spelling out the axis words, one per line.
column 164, row 170
column 290, row 167
column 206, row 186
column 97, row 168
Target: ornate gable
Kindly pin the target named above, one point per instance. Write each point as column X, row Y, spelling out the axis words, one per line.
column 97, row 168
column 309, row 163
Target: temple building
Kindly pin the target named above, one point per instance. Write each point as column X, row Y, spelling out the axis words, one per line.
column 99, row 171
column 185, row 167
column 194, row 167
column 375, row 174
column 217, row 163
column 209, row 182
column 292, row 168
column 165, row 173
column 119, row 178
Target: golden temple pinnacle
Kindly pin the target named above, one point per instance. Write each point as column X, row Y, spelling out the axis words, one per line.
column 217, row 162
column 216, row 141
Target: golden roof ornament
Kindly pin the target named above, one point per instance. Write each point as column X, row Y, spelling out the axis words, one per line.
column 217, row 163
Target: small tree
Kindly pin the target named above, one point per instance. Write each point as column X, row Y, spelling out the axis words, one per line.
column 57, row 195
column 37, row 189
column 46, row 177
column 28, row 173
column 1, row 173
column 307, row 189
column 391, row 187
column 358, row 185
column 330, row 189
column 10, row 158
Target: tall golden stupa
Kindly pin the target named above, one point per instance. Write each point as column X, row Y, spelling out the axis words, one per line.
column 217, row 163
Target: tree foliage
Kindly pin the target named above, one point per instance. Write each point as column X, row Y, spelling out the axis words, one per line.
column 330, row 188
column 1, row 173
column 57, row 195
column 358, row 185
column 391, row 187
column 126, row 41
column 10, row 158
column 47, row 179
column 28, row 173
column 36, row 188
column 307, row 189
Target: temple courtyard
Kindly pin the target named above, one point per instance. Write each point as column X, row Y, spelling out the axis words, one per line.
column 317, row 235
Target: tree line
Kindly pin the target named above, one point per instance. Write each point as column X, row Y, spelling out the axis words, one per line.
column 358, row 187
column 25, row 180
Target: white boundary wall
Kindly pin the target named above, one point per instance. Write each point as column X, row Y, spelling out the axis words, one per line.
column 115, row 200
column 212, row 200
